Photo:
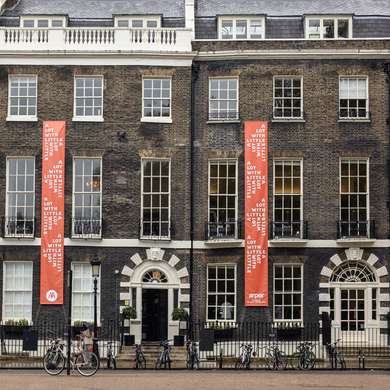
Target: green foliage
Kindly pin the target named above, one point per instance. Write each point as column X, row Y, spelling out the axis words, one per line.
column 22, row 322
column 129, row 313
column 179, row 314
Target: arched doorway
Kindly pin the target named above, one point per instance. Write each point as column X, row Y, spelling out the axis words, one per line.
column 154, row 287
column 352, row 292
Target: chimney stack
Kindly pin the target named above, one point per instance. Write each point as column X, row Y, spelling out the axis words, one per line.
column 190, row 15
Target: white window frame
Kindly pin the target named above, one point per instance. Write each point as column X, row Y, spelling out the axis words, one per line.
column 295, row 320
column 321, row 18
column 99, row 295
column 227, row 162
column 349, row 118
column 219, row 119
column 16, row 192
column 74, row 193
column 234, row 20
column 22, row 118
column 349, row 159
column 216, row 265
column 87, row 118
column 291, row 78
column 144, row 19
column 5, row 264
column 286, row 159
column 160, row 118
column 49, row 19
column 151, row 237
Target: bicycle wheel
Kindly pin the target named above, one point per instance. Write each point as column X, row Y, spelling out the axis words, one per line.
column 280, row 363
column 269, row 361
column 141, row 361
column 87, row 367
column 196, row 363
column 53, row 362
column 111, row 363
column 307, row 361
column 239, row 363
column 341, row 361
column 158, row 364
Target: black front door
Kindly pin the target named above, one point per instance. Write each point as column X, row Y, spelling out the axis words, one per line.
column 154, row 314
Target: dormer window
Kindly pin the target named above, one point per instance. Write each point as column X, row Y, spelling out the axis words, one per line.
column 324, row 27
column 42, row 22
column 241, row 28
column 138, row 22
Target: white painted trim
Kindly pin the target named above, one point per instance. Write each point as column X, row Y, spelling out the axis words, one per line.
column 326, row 272
column 335, row 259
column 381, row 271
column 173, row 261
column 11, row 118
column 127, row 271
column 85, row 58
column 324, row 297
column 136, row 259
column 186, row 244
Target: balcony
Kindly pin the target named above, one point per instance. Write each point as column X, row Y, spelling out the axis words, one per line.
column 82, row 39
column 223, row 231
column 356, row 230
column 15, row 227
column 86, row 228
column 163, row 231
column 288, row 231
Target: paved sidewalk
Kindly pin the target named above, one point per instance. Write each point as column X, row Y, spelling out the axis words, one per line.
column 201, row 380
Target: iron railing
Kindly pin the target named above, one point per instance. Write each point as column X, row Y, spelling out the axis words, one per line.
column 356, row 229
column 230, row 230
column 288, row 230
column 15, row 227
column 87, row 228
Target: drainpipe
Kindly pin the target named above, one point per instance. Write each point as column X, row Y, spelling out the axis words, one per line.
column 194, row 78
column 387, row 71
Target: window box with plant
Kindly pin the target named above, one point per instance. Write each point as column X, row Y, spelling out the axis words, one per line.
column 15, row 328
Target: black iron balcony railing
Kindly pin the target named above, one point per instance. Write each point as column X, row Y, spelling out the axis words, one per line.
column 156, row 231
column 231, row 230
column 288, row 230
column 16, row 227
column 87, row 228
column 356, row 229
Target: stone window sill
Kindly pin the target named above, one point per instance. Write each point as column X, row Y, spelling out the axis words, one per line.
column 22, row 119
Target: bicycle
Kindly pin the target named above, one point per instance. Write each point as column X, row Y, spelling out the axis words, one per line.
column 54, row 361
column 274, row 357
column 192, row 355
column 245, row 358
column 306, row 357
column 111, row 361
column 164, row 357
column 140, row 361
column 336, row 357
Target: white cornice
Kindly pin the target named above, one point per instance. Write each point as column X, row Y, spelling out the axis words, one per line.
column 299, row 54
column 201, row 245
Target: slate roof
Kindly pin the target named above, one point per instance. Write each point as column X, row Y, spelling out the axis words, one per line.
column 97, row 9
column 292, row 7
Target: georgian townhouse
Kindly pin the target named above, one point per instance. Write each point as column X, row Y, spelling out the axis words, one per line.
column 155, row 101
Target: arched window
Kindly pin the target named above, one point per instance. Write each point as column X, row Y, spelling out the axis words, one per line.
column 353, row 271
column 154, row 276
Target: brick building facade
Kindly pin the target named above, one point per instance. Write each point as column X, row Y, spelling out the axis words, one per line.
column 171, row 88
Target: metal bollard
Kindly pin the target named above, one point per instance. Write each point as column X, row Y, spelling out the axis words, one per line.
column 362, row 360
column 221, row 358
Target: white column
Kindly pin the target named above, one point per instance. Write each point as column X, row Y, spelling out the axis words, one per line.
column 190, row 15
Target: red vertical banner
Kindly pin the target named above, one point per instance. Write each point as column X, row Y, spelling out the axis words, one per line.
column 52, row 215
column 256, row 213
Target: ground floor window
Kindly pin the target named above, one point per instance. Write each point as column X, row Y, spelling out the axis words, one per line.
column 17, row 297
column 221, row 293
column 288, row 292
column 82, row 293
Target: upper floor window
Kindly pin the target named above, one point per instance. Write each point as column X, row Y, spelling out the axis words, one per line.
column 20, row 197
column 43, row 22
column 223, row 98
column 287, row 199
column 87, row 198
column 155, row 206
column 241, row 28
column 353, row 98
column 328, row 27
column 22, row 98
column 17, row 290
column 288, row 97
column 222, row 223
column 88, row 104
column 156, row 102
column 137, row 22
